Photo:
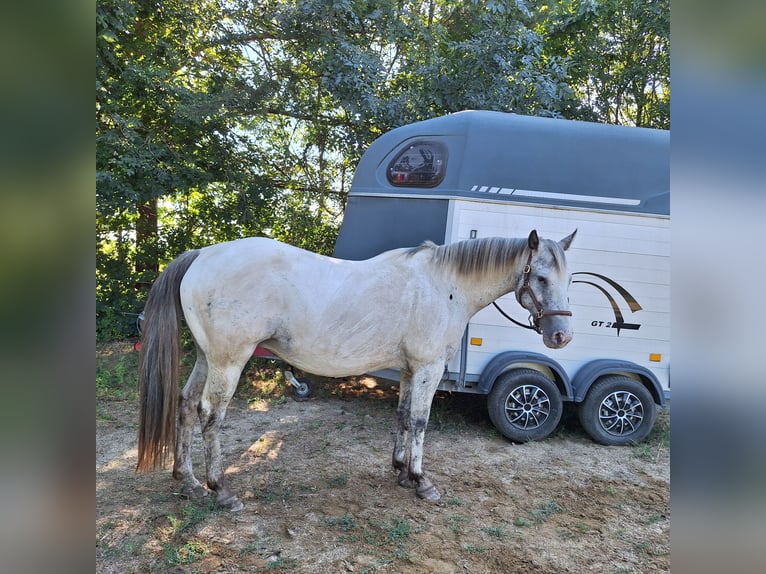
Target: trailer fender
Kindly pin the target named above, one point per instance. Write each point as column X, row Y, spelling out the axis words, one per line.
column 596, row 369
column 508, row 360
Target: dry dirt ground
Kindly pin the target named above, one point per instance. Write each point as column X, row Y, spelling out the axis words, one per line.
column 320, row 495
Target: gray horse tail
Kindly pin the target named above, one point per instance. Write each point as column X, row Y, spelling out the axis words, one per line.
column 158, row 362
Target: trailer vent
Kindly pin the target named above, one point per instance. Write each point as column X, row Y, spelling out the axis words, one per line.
column 422, row 163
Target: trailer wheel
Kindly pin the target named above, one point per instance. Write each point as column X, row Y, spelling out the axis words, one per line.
column 303, row 390
column 618, row 410
column 525, row 405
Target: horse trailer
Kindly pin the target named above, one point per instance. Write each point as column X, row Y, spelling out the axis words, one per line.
column 479, row 174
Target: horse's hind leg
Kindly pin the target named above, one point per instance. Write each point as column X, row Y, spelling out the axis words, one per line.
column 187, row 411
column 221, row 384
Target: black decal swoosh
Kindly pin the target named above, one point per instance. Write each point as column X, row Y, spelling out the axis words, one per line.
column 617, row 313
column 629, row 299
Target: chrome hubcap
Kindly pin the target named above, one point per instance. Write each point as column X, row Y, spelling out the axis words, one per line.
column 621, row 413
column 527, row 407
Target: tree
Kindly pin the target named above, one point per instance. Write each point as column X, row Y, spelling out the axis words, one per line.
column 162, row 129
column 620, row 58
column 217, row 120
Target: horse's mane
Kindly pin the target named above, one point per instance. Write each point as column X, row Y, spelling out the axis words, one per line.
column 484, row 255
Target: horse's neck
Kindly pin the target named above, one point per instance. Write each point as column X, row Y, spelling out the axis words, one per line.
column 481, row 290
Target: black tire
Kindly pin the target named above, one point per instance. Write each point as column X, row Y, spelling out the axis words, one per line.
column 617, row 411
column 525, row 405
column 304, row 391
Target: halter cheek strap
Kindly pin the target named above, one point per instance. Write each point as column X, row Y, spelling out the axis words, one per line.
column 534, row 319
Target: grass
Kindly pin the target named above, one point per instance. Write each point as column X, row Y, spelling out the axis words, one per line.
column 345, row 522
column 185, row 551
column 271, row 494
column 191, row 515
column 117, row 372
column 456, row 523
column 338, row 481
column 286, row 564
column 390, row 538
column 539, row 515
column 658, row 441
column 495, row 531
column 545, row 511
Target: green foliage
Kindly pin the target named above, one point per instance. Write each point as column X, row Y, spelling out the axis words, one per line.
column 116, row 374
column 216, row 121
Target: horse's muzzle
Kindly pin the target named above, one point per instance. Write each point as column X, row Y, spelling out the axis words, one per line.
column 557, row 339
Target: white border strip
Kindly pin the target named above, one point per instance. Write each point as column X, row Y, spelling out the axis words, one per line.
column 574, row 197
column 554, row 195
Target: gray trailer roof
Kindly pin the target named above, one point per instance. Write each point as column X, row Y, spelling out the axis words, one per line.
column 524, row 159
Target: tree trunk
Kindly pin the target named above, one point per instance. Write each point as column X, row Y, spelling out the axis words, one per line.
column 147, row 264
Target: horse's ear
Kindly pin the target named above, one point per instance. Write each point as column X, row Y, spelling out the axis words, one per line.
column 533, row 241
column 567, row 241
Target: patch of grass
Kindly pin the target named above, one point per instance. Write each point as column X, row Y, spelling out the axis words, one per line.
column 456, row 523
column 104, row 415
column 495, row 531
column 287, row 564
column 444, row 418
column 345, row 522
column 185, row 553
column 337, row 481
column 274, row 492
column 399, row 529
column 382, row 533
column 192, row 514
column 455, row 501
column 658, row 441
column 117, row 372
column 522, row 522
column 654, row 519
column 539, row 515
column 582, row 527
column 473, row 549
column 545, row 511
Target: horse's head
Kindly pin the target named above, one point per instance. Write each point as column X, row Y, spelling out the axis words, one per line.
column 543, row 286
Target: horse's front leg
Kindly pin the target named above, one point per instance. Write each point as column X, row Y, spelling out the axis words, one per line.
column 425, row 380
column 401, row 455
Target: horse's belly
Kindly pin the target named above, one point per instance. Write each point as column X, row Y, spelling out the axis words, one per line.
column 334, row 362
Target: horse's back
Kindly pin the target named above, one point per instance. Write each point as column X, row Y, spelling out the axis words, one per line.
column 303, row 306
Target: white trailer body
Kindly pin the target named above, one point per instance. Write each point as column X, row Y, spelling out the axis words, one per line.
column 483, row 174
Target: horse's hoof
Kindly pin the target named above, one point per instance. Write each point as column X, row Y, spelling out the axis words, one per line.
column 196, row 493
column 428, row 491
column 233, row 503
column 404, row 479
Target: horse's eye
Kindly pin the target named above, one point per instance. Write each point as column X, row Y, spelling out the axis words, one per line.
column 542, row 280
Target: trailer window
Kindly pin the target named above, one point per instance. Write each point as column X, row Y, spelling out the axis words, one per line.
column 420, row 164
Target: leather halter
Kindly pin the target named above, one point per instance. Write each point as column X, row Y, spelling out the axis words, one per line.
column 534, row 318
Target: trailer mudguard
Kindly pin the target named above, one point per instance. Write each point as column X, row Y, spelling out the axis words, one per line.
column 505, row 361
column 591, row 372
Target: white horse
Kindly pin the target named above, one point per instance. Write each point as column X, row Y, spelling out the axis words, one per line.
column 405, row 309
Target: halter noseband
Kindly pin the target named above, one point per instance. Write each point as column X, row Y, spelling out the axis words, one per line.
column 534, row 319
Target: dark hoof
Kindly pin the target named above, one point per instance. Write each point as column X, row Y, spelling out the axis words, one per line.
column 404, row 479
column 197, row 493
column 427, row 491
column 233, row 503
